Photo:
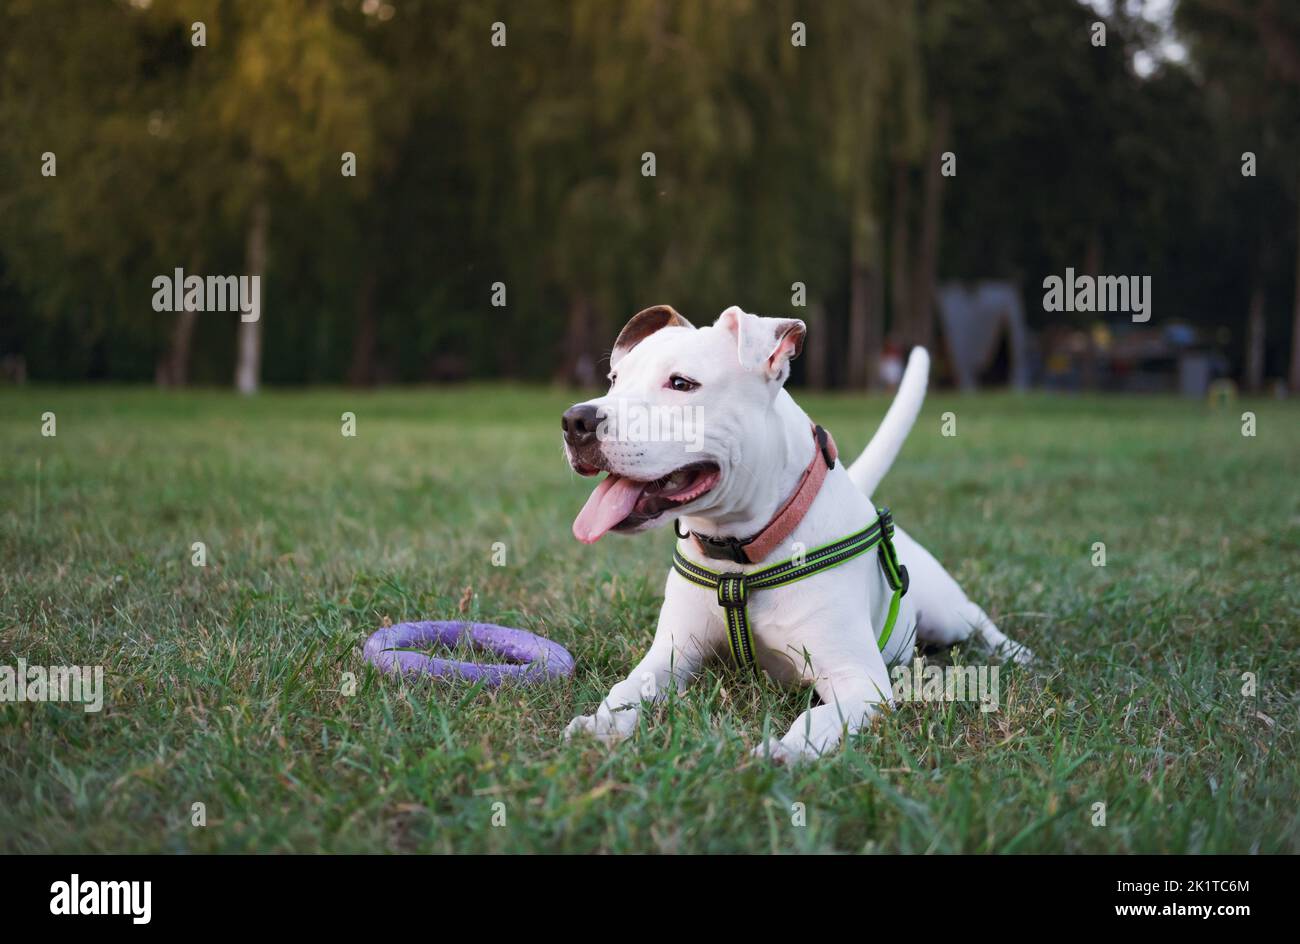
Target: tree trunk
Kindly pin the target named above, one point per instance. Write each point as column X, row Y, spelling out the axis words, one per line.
column 174, row 369
column 900, row 244
column 864, row 315
column 1294, row 379
column 816, row 346
column 1255, row 337
column 361, row 373
column 927, row 265
column 858, row 314
column 876, row 322
column 248, row 362
column 1092, row 255
column 174, row 366
column 1091, row 371
column 579, row 361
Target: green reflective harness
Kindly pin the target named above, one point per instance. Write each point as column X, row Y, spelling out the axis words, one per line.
column 733, row 587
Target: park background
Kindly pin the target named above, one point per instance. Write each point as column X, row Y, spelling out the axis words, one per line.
column 224, row 557
column 513, row 156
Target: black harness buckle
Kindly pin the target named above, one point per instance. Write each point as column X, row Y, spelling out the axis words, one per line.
column 732, row 549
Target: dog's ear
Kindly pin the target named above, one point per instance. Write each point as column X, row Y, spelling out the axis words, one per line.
column 643, row 324
column 766, row 344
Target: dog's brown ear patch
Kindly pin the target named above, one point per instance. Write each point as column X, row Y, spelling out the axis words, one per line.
column 643, row 324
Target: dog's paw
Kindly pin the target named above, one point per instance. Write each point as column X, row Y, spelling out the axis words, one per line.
column 607, row 726
column 779, row 752
column 580, row 726
column 1020, row 655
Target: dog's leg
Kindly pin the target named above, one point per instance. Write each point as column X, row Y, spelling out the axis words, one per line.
column 683, row 640
column 852, row 693
column 944, row 614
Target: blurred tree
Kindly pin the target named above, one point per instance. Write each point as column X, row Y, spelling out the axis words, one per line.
column 793, row 145
column 290, row 90
column 100, row 89
column 625, row 140
column 1254, row 100
column 866, row 52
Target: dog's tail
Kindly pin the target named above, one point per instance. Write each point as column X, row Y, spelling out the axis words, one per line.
column 880, row 453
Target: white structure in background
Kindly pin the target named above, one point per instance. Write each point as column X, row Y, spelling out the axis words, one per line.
column 975, row 321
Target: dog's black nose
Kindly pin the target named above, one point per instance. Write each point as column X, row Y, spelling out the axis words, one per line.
column 579, row 424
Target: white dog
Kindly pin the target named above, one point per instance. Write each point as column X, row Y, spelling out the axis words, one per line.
column 756, row 486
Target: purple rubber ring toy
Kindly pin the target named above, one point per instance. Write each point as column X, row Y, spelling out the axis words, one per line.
column 530, row 658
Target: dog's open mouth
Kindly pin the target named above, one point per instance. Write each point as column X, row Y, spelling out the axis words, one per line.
column 620, row 503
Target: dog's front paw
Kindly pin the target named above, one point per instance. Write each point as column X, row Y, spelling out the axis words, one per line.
column 579, row 726
column 605, row 725
column 1020, row 655
column 779, row 752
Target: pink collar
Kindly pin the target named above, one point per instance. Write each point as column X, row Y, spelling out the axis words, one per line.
column 781, row 526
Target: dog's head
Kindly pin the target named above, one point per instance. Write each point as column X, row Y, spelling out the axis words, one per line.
column 682, row 406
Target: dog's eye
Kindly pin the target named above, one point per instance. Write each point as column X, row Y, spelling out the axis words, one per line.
column 681, row 384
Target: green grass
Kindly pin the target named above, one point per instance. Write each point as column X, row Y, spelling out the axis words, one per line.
column 224, row 681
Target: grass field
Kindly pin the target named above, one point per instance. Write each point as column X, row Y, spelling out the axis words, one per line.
column 223, row 682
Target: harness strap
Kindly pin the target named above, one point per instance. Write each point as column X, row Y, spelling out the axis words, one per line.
column 733, row 587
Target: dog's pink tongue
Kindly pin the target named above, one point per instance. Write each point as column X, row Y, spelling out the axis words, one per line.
column 611, row 502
